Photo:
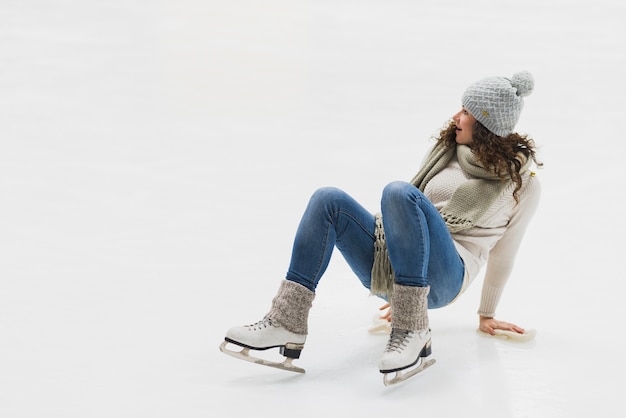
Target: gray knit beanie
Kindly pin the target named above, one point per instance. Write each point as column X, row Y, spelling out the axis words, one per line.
column 497, row 102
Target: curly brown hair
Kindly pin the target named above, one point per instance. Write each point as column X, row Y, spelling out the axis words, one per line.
column 496, row 154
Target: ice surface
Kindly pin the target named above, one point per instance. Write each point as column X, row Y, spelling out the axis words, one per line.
column 156, row 157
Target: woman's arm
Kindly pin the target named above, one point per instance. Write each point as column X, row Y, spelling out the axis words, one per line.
column 502, row 258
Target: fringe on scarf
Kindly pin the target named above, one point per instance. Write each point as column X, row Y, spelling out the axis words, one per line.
column 382, row 273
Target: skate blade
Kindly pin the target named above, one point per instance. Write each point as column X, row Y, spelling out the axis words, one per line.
column 511, row 335
column 244, row 354
column 383, row 329
column 381, row 326
column 402, row 375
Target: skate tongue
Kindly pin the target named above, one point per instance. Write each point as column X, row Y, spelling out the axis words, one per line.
column 264, row 323
column 398, row 339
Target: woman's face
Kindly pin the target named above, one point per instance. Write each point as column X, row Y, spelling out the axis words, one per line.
column 464, row 125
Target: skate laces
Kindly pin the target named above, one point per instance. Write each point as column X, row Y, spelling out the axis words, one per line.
column 398, row 339
column 263, row 323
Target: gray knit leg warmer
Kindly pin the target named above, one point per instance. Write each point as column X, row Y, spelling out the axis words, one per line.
column 291, row 305
column 409, row 307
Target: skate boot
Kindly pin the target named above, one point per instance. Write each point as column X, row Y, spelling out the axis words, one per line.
column 283, row 327
column 409, row 342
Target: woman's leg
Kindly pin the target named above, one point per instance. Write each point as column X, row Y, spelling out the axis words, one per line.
column 428, row 271
column 421, row 249
column 332, row 218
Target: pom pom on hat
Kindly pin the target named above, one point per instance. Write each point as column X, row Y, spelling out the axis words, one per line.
column 497, row 102
column 523, row 82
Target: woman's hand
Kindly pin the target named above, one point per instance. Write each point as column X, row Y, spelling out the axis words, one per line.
column 490, row 325
column 387, row 315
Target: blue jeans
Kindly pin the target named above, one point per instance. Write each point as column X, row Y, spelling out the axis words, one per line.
column 421, row 249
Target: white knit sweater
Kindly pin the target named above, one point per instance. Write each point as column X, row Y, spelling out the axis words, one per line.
column 496, row 237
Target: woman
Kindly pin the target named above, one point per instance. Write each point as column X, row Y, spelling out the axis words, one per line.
column 467, row 207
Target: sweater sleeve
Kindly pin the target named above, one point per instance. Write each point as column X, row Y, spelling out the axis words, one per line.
column 502, row 255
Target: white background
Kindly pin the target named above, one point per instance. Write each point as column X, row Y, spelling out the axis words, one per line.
column 156, row 156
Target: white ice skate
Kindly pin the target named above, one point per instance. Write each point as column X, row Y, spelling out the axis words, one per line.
column 405, row 355
column 381, row 326
column 264, row 335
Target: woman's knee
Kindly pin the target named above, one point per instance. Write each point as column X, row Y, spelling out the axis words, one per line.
column 326, row 195
column 397, row 190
